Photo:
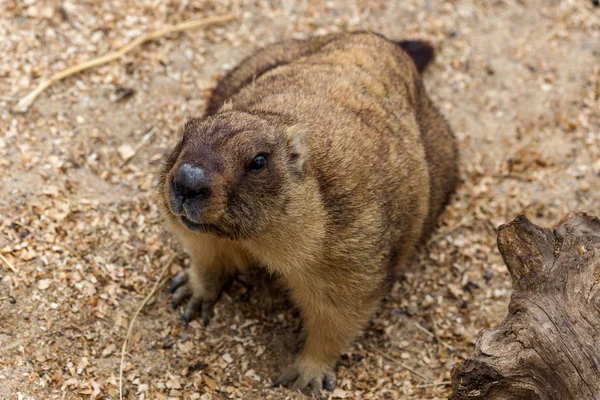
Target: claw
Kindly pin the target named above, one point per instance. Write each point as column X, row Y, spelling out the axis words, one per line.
column 207, row 311
column 201, row 302
column 285, row 378
column 182, row 293
column 329, row 381
column 300, row 380
column 190, row 310
column 316, row 385
column 179, row 279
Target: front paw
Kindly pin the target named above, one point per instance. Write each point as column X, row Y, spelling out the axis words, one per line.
column 304, row 374
column 198, row 302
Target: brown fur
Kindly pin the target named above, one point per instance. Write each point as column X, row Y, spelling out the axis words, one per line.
column 360, row 165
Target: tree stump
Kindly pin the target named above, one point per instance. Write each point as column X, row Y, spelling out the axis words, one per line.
column 548, row 347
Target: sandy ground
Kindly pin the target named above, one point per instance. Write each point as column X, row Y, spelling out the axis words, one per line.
column 518, row 80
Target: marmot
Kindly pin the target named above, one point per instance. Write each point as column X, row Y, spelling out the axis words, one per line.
column 322, row 160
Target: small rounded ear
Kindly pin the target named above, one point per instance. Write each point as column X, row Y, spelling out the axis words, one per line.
column 227, row 106
column 298, row 142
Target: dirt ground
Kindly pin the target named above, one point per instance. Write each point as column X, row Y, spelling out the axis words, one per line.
column 81, row 237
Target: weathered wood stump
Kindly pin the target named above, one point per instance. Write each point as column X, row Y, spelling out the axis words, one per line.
column 548, row 347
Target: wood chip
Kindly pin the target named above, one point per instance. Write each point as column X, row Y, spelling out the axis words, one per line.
column 44, row 284
column 126, row 152
column 212, row 385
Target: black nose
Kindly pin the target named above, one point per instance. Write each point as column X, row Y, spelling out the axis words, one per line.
column 190, row 182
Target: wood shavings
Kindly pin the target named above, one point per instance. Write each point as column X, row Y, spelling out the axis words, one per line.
column 24, row 104
column 403, row 365
column 127, row 337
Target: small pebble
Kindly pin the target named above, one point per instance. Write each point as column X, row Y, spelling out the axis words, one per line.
column 470, row 286
column 488, row 276
column 25, row 315
column 184, row 337
column 12, row 300
column 460, row 331
column 428, row 301
column 167, row 344
column 412, row 309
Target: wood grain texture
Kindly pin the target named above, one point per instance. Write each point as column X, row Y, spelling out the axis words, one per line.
column 548, row 346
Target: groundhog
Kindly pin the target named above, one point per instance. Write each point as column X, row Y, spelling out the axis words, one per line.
column 323, row 161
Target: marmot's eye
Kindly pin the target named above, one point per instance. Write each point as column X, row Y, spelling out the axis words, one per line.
column 259, row 162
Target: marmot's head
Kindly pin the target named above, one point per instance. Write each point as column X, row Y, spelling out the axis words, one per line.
column 231, row 174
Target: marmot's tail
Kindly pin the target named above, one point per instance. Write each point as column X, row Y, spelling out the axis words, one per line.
column 421, row 52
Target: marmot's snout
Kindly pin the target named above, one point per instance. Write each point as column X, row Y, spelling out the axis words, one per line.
column 189, row 192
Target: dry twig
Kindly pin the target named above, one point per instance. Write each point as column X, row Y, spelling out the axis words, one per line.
column 424, row 330
column 141, row 144
column 24, row 104
column 401, row 364
column 433, row 335
column 10, row 265
column 464, row 221
column 124, row 348
column 443, row 383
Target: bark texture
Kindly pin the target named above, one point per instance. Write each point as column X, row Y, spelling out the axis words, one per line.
column 548, row 347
